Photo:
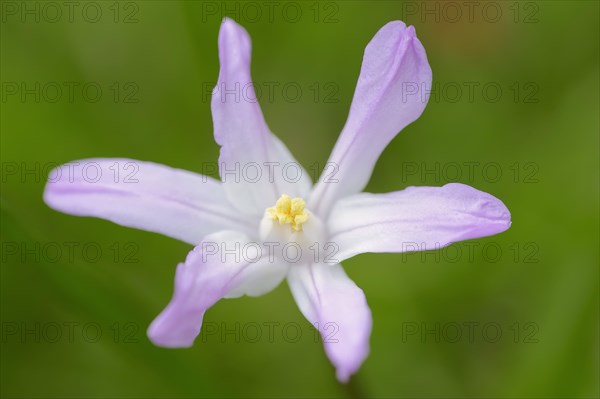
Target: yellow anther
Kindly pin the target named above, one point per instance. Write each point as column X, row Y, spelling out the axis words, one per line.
column 289, row 211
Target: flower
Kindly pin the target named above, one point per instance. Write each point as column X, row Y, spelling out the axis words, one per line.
column 392, row 89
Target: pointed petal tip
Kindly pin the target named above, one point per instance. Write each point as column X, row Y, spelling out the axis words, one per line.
column 230, row 27
column 344, row 373
column 47, row 195
column 229, row 23
column 397, row 24
column 398, row 28
column 343, row 376
column 234, row 50
column 174, row 327
column 159, row 335
column 347, row 367
column 492, row 210
column 497, row 212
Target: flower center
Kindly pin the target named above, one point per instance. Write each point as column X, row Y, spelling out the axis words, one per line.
column 293, row 232
column 289, row 211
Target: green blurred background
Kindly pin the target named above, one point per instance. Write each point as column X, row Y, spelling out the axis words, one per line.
column 155, row 62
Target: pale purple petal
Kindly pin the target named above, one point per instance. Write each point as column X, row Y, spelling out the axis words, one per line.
column 144, row 195
column 260, row 277
column 417, row 218
column 392, row 91
column 332, row 302
column 254, row 165
column 216, row 268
